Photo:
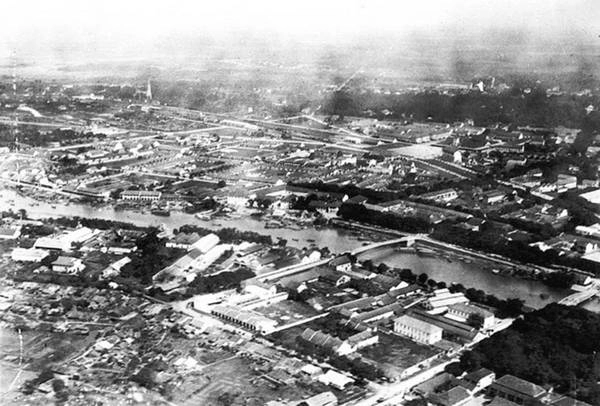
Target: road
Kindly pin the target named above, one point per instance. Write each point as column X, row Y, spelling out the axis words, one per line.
column 392, row 394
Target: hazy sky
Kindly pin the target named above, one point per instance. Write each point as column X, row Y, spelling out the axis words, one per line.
column 123, row 25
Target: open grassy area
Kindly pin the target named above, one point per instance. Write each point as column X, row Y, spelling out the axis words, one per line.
column 397, row 353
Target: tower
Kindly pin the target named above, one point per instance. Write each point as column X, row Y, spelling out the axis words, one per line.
column 149, row 91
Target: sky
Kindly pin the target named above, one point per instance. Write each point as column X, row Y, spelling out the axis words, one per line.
column 124, row 26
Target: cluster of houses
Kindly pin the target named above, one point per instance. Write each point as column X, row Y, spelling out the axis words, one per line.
column 508, row 390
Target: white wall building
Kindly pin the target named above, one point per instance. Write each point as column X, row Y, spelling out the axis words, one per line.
column 417, row 330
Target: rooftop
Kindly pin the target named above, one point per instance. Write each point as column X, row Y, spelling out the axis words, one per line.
column 520, row 385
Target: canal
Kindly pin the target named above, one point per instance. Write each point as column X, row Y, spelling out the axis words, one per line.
column 475, row 274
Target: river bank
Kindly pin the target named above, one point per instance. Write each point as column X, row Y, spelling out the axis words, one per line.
column 468, row 272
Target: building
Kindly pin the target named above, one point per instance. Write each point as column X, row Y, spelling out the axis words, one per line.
column 142, row 195
column 417, row 330
column 456, row 396
column 247, row 319
column 205, row 243
column 65, row 241
column 322, row 399
column 183, row 240
column 10, row 232
column 464, row 312
column 494, row 196
column 254, row 296
column 516, row 390
column 593, row 196
column 363, row 339
column 327, row 342
column 442, row 300
column 590, row 231
column 115, row 268
column 335, row 379
column 28, row 254
column 68, row 265
column 566, row 182
column 445, row 195
column 566, row 135
column 341, row 263
column 478, row 380
column 569, row 401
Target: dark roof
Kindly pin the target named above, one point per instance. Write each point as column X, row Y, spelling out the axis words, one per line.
column 498, row 401
column 520, row 385
column 451, row 397
column 341, row 260
column 568, row 401
column 358, row 199
column 478, row 375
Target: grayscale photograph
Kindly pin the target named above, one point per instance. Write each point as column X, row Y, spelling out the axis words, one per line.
column 300, row 203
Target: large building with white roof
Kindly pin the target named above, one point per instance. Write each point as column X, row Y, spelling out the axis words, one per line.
column 247, row 319
column 65, row 241
column 417, row 330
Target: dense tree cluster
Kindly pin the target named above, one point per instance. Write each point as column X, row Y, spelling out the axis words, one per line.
column 229, row 235
column 487, row 240
column 511, row 107
column 554, row 346
column 360, row 213
column 151, row 257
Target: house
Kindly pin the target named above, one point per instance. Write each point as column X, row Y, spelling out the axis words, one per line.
column 494, row 196
column 28, row 254
column 68, row 265
column 327, row 342
column 388, row 283
column 183, row 240
column 440, row 301
column 363, row 339
column 417, row 330
column 358, row 199
column 473, row 224
column 478, row 380
column 566, row 135
column 464, row 312
column 517, row 390
column 248, row 319
column 114, row 268
column 569, row 401
column 334, row 278
column 10, row 232
column 565, row 182
column 335, row 379
column 445, row 195
column 456, row 396
column 322, row 399
column 459, row 330
column 590, row 231
column 498, row 401
column 341, row 263
column 431, row 385
column 65, row 241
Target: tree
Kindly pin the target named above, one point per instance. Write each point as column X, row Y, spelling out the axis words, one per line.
column 470, row 361
column 422, row 279
column 475, row 320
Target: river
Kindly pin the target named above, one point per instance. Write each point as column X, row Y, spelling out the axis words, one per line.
column 337, row 240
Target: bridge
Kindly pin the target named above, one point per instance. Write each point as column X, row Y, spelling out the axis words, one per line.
column 409, row 240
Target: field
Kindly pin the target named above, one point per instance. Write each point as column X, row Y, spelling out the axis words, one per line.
column 396, row 353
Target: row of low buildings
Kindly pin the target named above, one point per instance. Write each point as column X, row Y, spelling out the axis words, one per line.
column 446, row 390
